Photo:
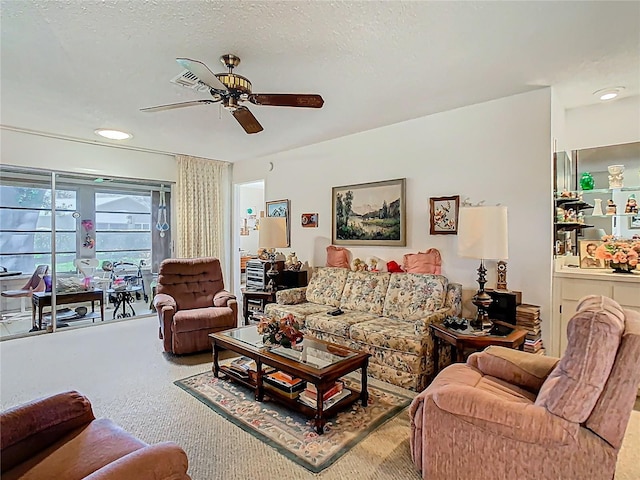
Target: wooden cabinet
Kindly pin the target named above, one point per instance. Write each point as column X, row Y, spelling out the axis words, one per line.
column 571, row 284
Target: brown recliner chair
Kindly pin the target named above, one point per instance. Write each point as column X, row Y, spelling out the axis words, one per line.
column 59, row 437
column 191, row 303
column 511, row 414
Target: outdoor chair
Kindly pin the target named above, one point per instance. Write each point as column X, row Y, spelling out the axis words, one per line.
column 35, row 284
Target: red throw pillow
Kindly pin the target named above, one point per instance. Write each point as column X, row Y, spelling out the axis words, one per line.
column 427, row 262
column 337, row 257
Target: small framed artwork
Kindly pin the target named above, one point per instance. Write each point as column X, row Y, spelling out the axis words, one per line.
column 444, row 215
column 634, row 222
column 369, row 214
column 280, row 208
column 309, row 220
column 587, row 251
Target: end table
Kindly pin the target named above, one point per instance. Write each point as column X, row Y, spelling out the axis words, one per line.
column 256, row 298
column 461, row 342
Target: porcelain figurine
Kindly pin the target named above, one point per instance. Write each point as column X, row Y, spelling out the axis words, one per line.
column 615, row 175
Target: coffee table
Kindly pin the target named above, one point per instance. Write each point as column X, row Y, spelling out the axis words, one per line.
column 320, row 363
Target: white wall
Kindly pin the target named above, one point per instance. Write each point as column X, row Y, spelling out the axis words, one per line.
column 250, row 196
column 606, row 123
column 499, row 152
column 29, row 150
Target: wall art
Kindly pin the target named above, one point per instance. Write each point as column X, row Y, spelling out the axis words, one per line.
column 369, row 214
column 309, row 220
column 280, row 208
column 443, row 219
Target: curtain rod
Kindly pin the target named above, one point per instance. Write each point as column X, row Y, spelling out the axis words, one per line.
column 81, row 140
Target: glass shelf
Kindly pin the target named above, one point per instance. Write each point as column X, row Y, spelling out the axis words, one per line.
column 615, row 215
column 598, row 190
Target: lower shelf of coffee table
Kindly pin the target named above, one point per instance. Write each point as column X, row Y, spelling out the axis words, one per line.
column 292, row 403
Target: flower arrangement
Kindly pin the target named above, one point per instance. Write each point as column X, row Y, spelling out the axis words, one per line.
column 622, row 255
column 284, row 331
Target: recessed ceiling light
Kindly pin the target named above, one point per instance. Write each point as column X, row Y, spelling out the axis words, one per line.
column 113, row 134
column 608, row 93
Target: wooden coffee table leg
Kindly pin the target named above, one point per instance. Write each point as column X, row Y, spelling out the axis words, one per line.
column 364, row 393
column 216, row 365
column 319, row 418
column 259, row 391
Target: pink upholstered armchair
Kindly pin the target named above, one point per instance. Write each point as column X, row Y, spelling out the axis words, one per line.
column 510, row 414
column 192, row 303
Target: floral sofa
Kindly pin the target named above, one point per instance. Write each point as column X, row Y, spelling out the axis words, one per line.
column 385, row 314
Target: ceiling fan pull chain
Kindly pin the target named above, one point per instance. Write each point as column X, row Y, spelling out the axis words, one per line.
column 162, row 224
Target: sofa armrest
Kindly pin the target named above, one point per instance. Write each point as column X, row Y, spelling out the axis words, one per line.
column 454, row 299
column 421, row 326
column 521, row 422
column 166, row 308
column 156, row 462
column 223, row 298
column 292, row 296
column 524, row 369
column 31, row 427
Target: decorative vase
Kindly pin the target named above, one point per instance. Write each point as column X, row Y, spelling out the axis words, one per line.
column 597, row 208
column 622, row 267
column 586, row 181
column 615, row 175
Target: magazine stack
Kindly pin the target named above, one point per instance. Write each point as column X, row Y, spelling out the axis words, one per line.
column 336, row 393
column 528, row 317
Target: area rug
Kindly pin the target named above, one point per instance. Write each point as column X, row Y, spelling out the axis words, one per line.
column 290, row 433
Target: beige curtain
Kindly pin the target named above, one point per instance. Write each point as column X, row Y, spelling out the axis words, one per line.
column 201, row 205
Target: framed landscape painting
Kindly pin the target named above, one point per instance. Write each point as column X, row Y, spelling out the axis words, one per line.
column 444, row 215
column 280, row 208
column 369, row 214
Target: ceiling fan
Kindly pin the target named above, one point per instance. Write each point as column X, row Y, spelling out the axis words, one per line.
column 232, row 89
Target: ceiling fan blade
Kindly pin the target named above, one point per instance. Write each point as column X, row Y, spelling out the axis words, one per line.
column 287, row 100
column 176, row 105
column 246, row 119
column 203, row 73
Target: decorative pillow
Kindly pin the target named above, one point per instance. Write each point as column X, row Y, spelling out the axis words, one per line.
column 593, row 333
column 427, row 262
column 337, row 257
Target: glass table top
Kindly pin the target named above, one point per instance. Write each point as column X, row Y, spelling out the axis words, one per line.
column 313, row 353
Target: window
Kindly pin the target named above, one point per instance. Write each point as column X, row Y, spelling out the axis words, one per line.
column 123, row 214
column 25, row 232
column 123, row 227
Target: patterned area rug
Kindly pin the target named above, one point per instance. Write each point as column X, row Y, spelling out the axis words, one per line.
column 290, row 433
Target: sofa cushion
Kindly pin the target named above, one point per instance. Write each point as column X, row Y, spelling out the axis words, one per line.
column 593, row 334
column 387, row 333
column 326, row 286
column 427, row 262
column 337, row 257
column 202, row 319
column 338, row 325
column 411, row 296
column 79, row 454
column 299, row 311
column 365, row 292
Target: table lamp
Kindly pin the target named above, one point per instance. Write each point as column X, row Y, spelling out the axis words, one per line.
column 273, row 234
column 482, row 234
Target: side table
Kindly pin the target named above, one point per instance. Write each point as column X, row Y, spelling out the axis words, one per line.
column 461, row 342
column 257, row 299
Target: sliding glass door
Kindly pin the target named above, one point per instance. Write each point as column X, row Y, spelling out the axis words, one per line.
column 77, row 236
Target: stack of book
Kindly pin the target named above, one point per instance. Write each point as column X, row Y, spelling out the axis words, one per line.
column 245, row 367
column 336, row 393
column 285, row 384
column 528, row 317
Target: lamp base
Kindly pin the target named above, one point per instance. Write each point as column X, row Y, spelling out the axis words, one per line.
column 272, row 273
column 481, row 299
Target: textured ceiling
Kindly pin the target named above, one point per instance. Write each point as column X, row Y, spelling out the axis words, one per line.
column 69, row 67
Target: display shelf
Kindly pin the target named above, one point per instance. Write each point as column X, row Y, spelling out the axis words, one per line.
column 571, row 225
column 601, row 190
column 614, row 215
column 577, row 203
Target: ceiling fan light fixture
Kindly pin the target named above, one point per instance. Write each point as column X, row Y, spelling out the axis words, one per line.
column 112, row 134
column 610, row 93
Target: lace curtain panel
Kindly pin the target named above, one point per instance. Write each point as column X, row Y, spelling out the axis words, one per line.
column 201, row 201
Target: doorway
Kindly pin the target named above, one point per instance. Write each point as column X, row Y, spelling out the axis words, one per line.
column 249, row 208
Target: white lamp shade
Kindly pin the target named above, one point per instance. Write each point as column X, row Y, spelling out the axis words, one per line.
column 273, row 232
column 482, row 233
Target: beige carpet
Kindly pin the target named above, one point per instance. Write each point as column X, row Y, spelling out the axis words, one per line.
column 121, row 368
